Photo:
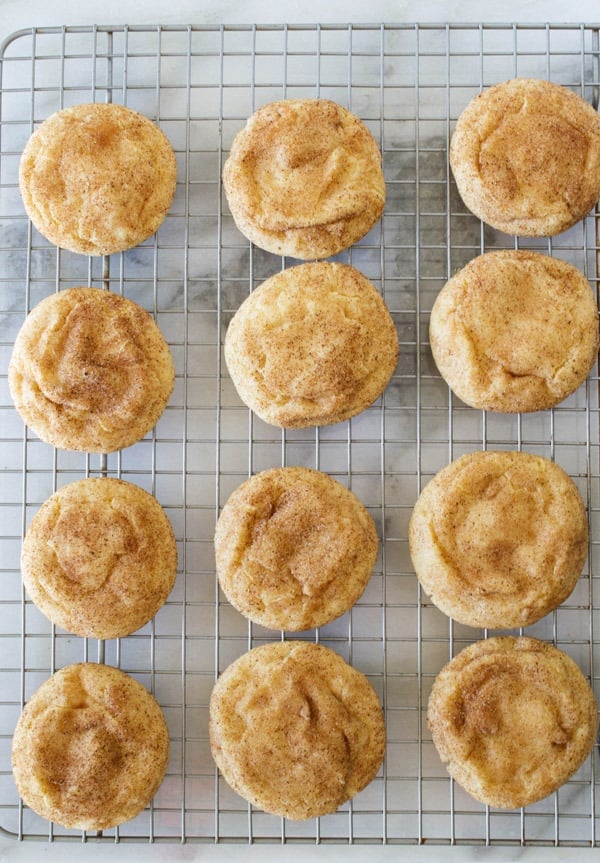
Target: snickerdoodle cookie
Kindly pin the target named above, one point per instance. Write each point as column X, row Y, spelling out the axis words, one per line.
column 97, row 178
column 294, row 548
column 526, row 157
column 99, row 558
column 295, row 730
column 90, row 370
column 90, row 748
column 512, row 719
column 312, row 345
column 499, row 539
column 515, row 331
column 304, row 178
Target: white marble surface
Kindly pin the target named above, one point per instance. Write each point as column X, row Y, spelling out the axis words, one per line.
column 15, row 14
column 18, row 14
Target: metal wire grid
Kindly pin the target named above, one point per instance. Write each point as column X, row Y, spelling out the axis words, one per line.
column 408, row 83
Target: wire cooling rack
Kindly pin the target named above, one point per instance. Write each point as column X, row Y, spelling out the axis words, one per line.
column 408, row 83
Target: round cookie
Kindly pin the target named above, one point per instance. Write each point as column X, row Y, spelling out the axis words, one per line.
column 526, row 157
column 304, row 178
column 294, row 548
column 97, row 178
column 512, row 719
column 99, row 558
column 498, row 539
column 313, row 345
column 90, row 748
column 515, row 331
column 295, row 730
column 90, row 370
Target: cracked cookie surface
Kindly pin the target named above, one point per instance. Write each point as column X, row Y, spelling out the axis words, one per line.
column 294, row 548
column 512, row 719
column 90, row 748
column 312, row 345
column 295, row 730
column 499, row 539
column 90, row 370
column 99, row 558
column 515, row 331
column 304, row 178
column 525, row 155
column 97, row 178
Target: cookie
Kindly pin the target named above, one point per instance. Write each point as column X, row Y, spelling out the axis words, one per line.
column 512, row 719
column 90, row 748
column 99, row 558
column 515, row 331
column 313, row 345
column 499, row 539
column 295, row 730
column 304, row 178
column 97, row 178
column 90, row 370
column 294, row 548
column 525, row 155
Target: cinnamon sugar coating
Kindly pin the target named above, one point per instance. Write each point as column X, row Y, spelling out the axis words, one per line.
column 90, row 748
column 515, row 331
column 313, row 345
column 304, row 178
column 294, row 548
column 97, row 178
column 99, row 558
column 526, row 157
column 499, row 539
column 296, row 730
column 90, row 370
column 512, row 719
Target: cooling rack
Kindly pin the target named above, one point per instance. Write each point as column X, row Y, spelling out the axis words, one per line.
column 408, row 83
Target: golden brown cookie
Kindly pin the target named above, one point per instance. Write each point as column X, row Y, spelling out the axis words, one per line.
column 313, row 345
column 512, row 719
column 304, row 178
column 90, row 370
column 90, row 748
column 526, row 157
column 294, row 548
column 295, row 730
column 498, row 539
column 99, row 558
column 97, row 178
column 515, row 331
